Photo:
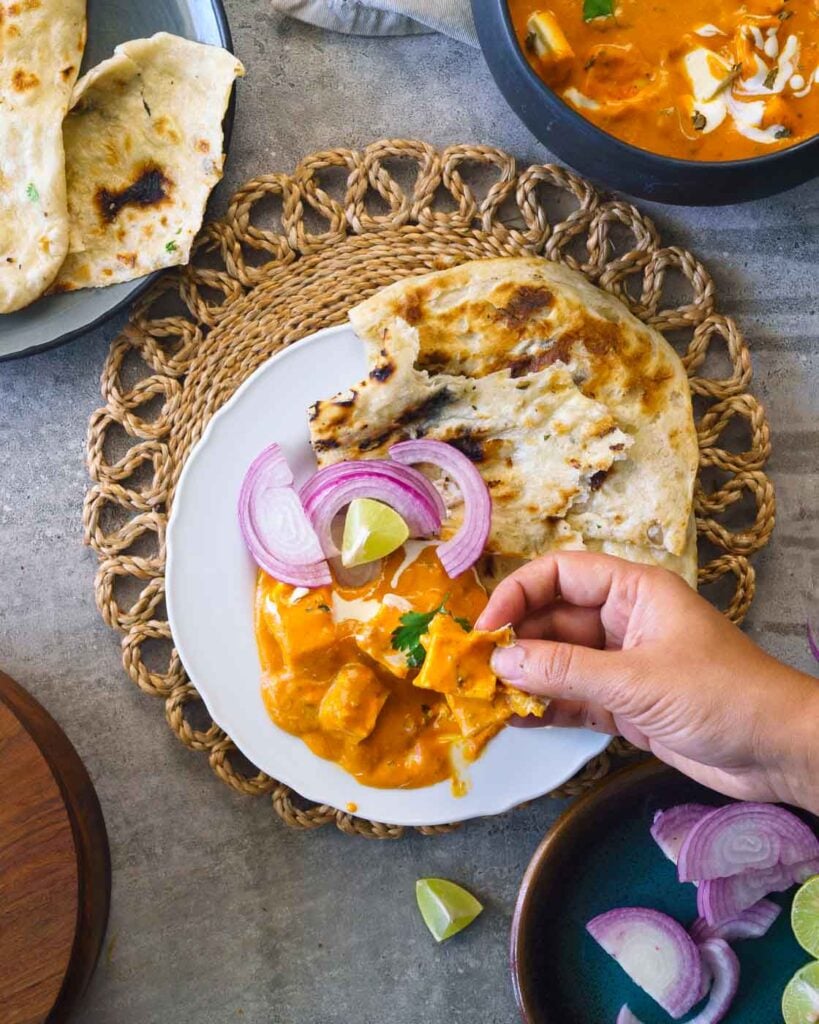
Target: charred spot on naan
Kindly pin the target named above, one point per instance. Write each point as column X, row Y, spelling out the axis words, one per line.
column 23, row 81
column 445, row 331
column 148, row 186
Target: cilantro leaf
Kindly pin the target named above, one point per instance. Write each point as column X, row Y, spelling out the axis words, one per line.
column 170, row 246
column 407, row 636
column 32, row 194
column 597, row 9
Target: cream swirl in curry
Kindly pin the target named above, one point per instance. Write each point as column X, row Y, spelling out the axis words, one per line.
column 707, row 80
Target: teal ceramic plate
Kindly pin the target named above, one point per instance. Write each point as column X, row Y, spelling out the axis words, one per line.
column 598, row 856
column 58, row 318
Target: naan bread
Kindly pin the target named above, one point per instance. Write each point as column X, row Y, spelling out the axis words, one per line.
column 41, row 46
column 143, row 145
column 493, row 569
column 528, row 314
column 540, row 444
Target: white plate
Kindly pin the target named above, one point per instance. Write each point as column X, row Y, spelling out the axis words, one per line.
column 210, row 583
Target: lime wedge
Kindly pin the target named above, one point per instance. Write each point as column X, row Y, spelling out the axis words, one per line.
column 800, row 1002
column 372, row 530
column 445, row 907
column 805, row 916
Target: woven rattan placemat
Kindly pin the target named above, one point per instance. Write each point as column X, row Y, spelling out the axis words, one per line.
column 292, row 255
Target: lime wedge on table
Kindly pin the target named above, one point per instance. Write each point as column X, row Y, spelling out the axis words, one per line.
column 800, row 1002
column 805, row 916
column 372, row 530
column 445, row 907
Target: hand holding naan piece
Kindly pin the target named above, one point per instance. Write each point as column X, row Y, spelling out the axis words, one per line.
column 611, row 644
column 41, row 47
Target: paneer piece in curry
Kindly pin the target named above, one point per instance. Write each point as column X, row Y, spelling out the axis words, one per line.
column 386, row 678
column 705, row 80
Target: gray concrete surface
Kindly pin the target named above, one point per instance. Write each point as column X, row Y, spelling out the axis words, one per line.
column 219, row 913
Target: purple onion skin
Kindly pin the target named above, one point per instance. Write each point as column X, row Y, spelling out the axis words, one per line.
column 664, row 936
column 706, row 853
column 752, row 923
column 813, row 646
column 722, row 962
column 671, row 827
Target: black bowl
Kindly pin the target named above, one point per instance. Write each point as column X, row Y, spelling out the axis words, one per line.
column 599, row 155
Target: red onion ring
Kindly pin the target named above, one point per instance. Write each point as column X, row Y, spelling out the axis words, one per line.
column 656, row 952
column 406, row 490
column 722, row 962
column 670, row 828
column 742, row 836
column 723, row 899
column 752, row 923
column 275, row 527
column 464, row 549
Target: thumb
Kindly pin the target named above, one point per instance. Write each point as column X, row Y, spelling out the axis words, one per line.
column 564, row 671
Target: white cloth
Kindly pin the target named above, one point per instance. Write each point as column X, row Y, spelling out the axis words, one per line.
column 386, row 17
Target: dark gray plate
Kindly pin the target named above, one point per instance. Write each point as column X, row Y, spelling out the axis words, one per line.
column 58, row 318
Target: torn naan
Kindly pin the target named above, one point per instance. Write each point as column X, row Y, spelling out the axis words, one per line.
column 41, row 47
column 143, row 144
column 527, row 314
column 539, row 443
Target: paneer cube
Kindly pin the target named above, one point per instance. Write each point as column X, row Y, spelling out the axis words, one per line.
column 546, row 40
column 374, row 638
column 353, row 702
column 472, row 716
column 303, row 628
column 457, row 661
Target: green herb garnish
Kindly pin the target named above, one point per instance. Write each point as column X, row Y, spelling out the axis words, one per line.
column 698, row 120
column 730, row 78
column 31, row 193
column 783, row 133
column 597, row 9
column 170, row 246
column 770, row 78
column 407, row 636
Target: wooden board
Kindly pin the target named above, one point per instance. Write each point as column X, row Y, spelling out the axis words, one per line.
column 54, row 865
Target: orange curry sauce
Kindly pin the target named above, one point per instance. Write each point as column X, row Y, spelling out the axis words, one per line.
column 702, row 80
column 332, row 676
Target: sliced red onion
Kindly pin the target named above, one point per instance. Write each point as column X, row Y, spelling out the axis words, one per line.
column 740, row 836
column 656, row 952
column 404, row 489
column 752, row 923
column 671, row 827
column 807, row 869
column 723, row 899
column 275, row 526
column 722, row 962
column 625, row 1016
column 813, row 639
column 460, row 552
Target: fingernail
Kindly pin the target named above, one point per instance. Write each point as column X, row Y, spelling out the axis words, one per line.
column 507, row 662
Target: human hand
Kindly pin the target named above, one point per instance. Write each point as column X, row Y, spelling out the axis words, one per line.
column 631, row 649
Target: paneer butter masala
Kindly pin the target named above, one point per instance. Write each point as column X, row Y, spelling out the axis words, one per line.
column 387, row 679
column 704, row 80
